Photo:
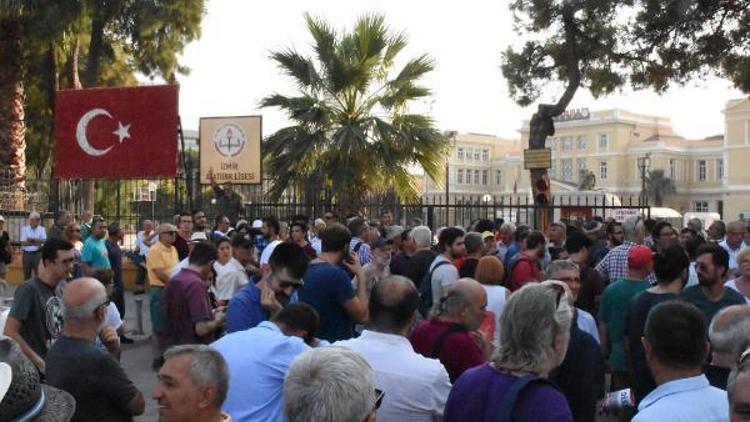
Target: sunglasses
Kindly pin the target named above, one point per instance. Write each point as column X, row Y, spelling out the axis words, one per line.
column 293, row 284
column 379, row 395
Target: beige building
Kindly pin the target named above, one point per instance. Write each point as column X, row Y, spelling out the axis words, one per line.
column 709, row 174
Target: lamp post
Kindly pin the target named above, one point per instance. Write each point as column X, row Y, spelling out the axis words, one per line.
column 643, row 165
column 452, row 135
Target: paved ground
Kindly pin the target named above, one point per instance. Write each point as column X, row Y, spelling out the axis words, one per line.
column 136, row 358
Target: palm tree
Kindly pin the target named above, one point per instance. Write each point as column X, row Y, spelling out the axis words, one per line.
column 659, row 187
column 352, row 122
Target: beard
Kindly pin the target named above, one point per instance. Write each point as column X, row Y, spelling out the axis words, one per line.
column 704, row 281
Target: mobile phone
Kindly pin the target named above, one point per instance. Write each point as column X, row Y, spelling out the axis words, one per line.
column 347, row 254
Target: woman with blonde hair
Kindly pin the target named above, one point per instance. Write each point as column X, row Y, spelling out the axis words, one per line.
column 489, row 273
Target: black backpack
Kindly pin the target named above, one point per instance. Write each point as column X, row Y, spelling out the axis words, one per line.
column 425, row 290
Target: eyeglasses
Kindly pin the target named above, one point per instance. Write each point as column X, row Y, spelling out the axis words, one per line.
column 379, row 395
column 743, row 357
column 570, row 279
column 171, row 233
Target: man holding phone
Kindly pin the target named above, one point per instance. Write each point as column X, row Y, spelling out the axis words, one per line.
column 329, row 290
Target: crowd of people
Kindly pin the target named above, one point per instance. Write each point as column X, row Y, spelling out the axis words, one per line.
column 352, row 319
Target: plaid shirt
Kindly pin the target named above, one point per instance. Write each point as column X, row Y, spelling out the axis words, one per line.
column 260, row 243
column 365, row 254
column 614, row 265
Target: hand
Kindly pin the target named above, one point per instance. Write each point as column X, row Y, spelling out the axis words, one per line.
column 482, row 341
column 268, row 299
column 40, row 365
column 353, row 263
column 220, row 315
column 109, row 337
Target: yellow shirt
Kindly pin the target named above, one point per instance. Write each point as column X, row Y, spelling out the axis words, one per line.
column 160, row 257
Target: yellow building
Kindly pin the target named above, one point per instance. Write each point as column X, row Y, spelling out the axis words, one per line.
column 709, row 174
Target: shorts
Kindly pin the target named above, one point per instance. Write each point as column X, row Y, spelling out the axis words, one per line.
column 155, row 297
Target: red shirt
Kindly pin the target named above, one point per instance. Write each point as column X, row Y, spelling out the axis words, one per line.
column 458, row 352
column 526, row 270
column 186, row 303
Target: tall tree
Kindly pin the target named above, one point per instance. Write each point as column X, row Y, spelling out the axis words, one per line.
column 659, row 187
column 353, row 129
column 593, row 44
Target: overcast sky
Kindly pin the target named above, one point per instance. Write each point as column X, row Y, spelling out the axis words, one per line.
column 231, row 71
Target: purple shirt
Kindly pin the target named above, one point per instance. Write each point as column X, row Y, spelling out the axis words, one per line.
column 186, row 303
column 477, row 394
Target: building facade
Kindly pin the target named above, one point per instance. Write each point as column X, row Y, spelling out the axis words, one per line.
column 709, row 174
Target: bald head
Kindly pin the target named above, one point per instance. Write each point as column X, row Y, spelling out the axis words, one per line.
column 81, row 298
column 729, row 331
column 464, row 303
column 393, row 302
column 470, row 288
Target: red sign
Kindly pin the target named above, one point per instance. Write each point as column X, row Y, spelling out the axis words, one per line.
column 109, row 133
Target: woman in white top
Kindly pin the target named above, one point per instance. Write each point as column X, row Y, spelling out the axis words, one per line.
column 741, row 284
column 490, row 272
column 230, row 274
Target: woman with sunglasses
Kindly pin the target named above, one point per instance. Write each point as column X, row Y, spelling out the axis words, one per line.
column 535, row 330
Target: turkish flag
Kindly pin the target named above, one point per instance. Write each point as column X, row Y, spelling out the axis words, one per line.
column 109, row 133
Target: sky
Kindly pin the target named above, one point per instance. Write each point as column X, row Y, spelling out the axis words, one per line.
column 231, row 71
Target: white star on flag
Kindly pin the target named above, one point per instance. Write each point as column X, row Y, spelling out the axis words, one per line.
column 122, row 131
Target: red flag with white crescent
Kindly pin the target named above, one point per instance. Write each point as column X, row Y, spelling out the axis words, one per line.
column 109, row 133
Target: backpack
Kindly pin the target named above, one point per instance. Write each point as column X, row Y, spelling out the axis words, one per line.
column 425, row 290
column 511, row 397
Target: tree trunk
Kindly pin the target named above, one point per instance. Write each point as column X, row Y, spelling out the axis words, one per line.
column 12, row 127
column 53, row 84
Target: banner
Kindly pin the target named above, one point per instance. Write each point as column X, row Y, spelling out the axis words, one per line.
column 230, row 149
column 110, row 133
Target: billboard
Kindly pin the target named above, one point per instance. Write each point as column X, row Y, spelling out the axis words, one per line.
column 230, row 149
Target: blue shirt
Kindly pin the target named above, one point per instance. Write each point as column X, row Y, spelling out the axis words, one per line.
column 245, row 311
column 94, row 253
column 326, row 289
column 685, row 399
column 260, row 357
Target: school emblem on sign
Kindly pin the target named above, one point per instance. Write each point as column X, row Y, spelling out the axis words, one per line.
column 229, row 140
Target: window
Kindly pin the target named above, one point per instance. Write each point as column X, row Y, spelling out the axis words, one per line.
column 700, row 206
column 719, row 169
column 603, row 142
column 460, row 153
column 582, row 142
column 581, row 164
column 672, row 169
column 469, row 154
column 603, row 170
column 551, row 142
column 485, row 155
column 701, row 170
column 567, row 169
column 498, row 177
column 476, row 154
column 567, row 143
column 553, row 169
column 476, row 177
column 484, row 176
column 460, row 177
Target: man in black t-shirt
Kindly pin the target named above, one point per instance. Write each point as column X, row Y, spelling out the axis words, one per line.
column 423, row 256
column 36, row 317
column 94, row 378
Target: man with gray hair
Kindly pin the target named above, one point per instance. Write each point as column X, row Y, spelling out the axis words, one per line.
column 450, row 335
column 738, row 388
column 729, row 334
column 32, row 238
column 193, row 384
column 614, row 265
column 332, row 384
column 423, row 256
column 569, row 273
column 102, row 390
column 733, row 245
column 507, row 231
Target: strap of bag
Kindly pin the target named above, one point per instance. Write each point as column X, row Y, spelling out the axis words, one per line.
column 511, row 397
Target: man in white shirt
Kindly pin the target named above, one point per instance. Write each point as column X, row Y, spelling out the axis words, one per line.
column 32, row 238
column 444, row 273
column 144, row 239
column 733, row 245
column 416, row 388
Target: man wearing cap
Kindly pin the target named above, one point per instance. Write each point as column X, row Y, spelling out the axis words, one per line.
column 490, row 244
column 32, row 238
column 162, row 258
column 94, row 253
column 102, row 390
column 710, row 295
column 613, row 310
column 614, row 265
column 22, row 395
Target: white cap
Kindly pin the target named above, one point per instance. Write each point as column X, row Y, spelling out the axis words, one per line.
column 257, row 224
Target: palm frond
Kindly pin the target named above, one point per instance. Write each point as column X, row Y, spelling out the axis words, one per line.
column 298, row 67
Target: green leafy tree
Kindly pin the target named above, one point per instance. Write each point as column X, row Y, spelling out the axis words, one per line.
column 353, row 130
column 602, row 45
column 659, row 187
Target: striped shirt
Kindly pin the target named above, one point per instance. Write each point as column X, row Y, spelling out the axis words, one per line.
column 365, row 253
column 614, row 265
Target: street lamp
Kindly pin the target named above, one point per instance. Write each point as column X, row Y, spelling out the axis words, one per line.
column 643, row 165
column 451, row 134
